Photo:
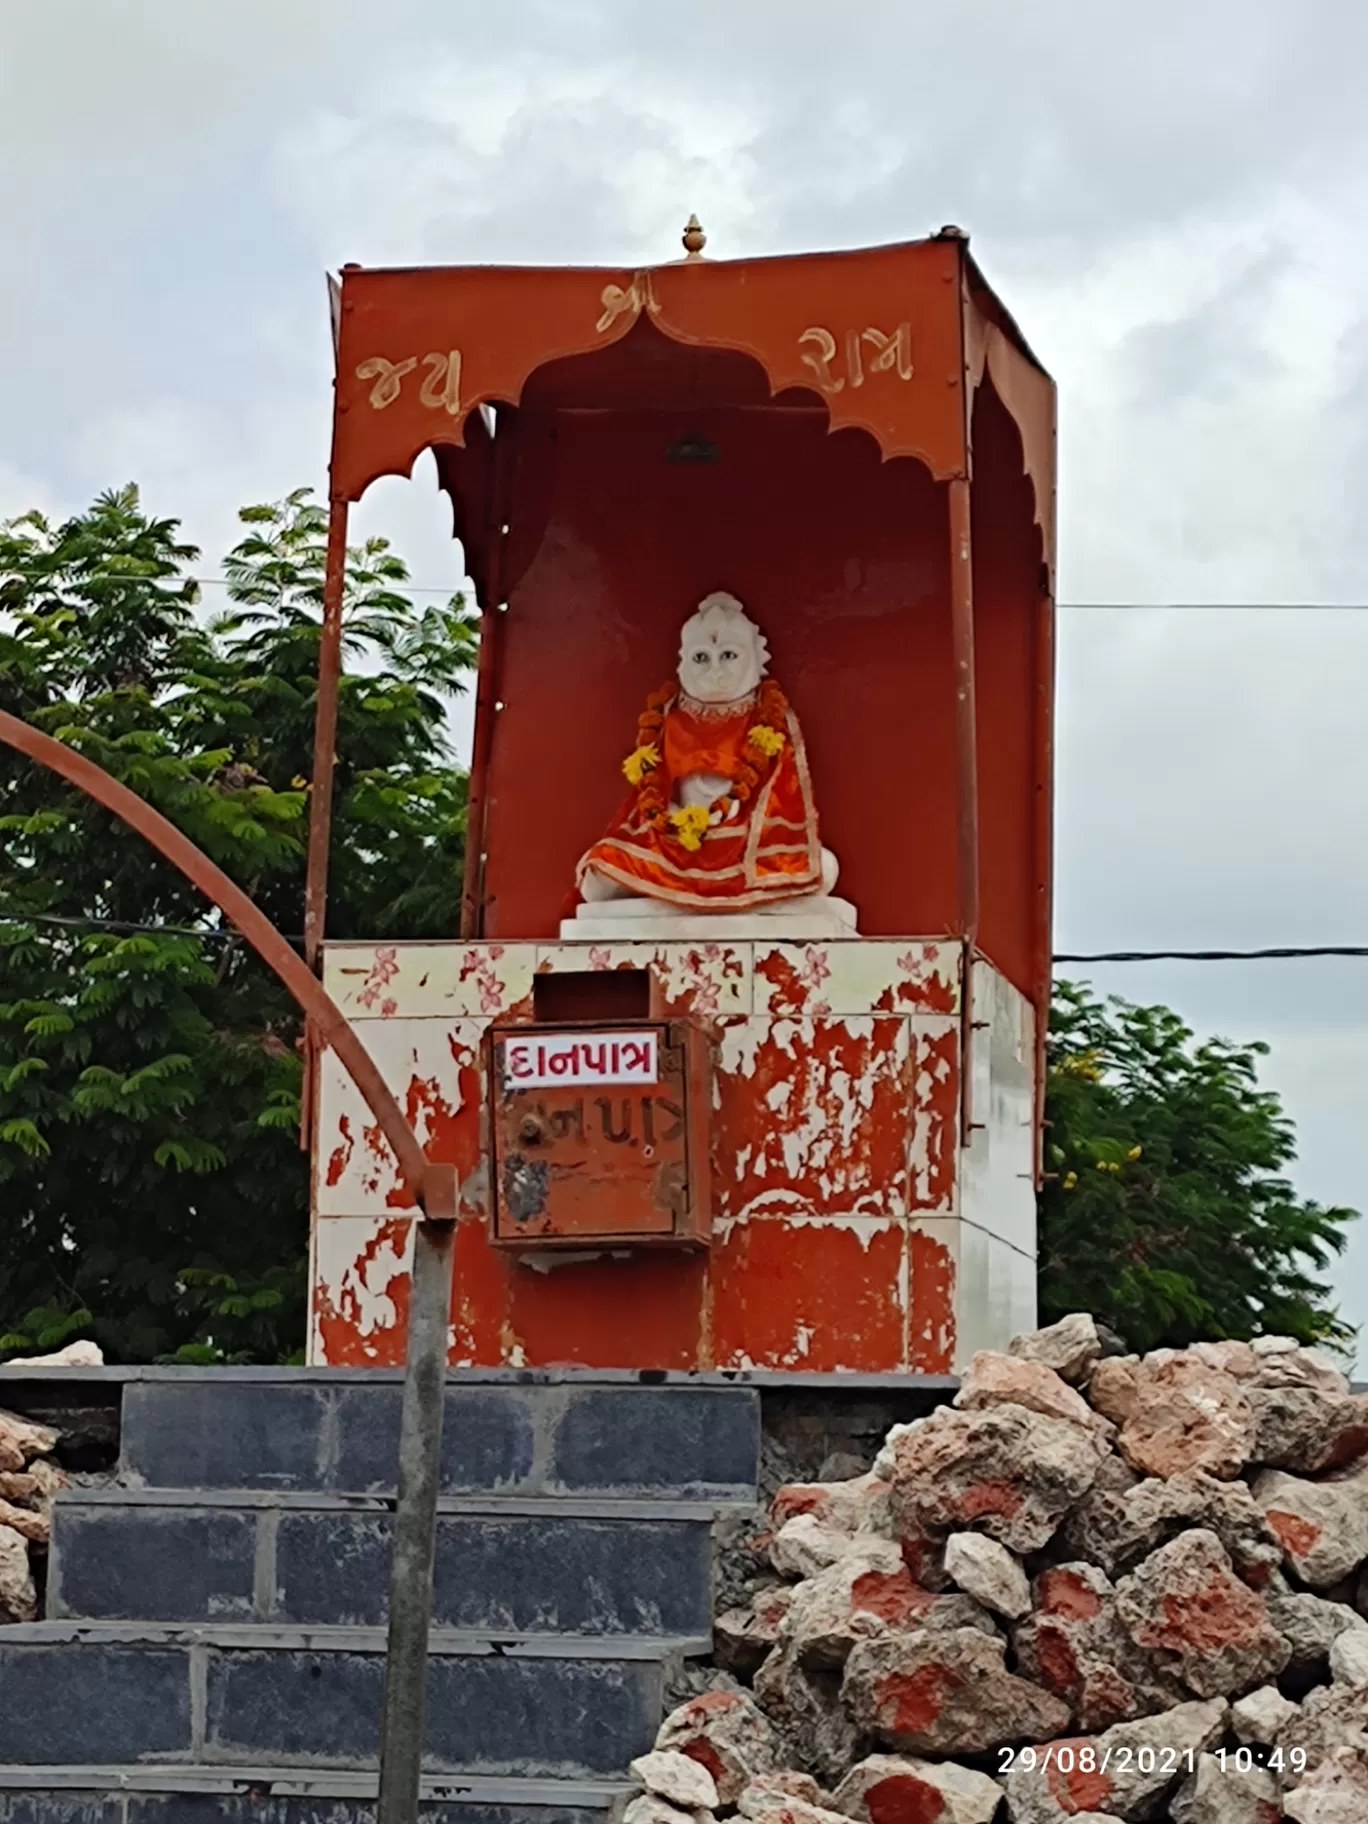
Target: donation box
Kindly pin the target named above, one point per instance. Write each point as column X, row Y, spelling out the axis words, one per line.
column 599, row 1132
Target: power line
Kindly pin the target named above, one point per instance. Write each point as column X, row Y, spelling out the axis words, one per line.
column 1282, row 953
column 449, row 589
column 124, row 927
column 1213, row 608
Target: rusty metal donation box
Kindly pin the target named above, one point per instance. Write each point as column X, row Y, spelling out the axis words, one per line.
column 599, row 1134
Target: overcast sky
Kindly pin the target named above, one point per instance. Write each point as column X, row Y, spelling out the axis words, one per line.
column 1171, row 198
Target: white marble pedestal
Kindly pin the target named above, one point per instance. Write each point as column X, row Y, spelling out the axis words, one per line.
column 815, row 915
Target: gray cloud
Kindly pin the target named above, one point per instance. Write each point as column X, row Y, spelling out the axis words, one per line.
column 1169, row 198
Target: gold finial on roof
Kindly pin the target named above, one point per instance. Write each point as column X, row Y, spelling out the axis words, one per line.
column 694, row 238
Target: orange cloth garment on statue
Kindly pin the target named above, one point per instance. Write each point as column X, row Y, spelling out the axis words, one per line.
column 764, row 848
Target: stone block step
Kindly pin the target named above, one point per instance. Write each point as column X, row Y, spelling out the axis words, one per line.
column 528, row 1705
column 293, row 1431
column 198, row 1794
column 530, row 1565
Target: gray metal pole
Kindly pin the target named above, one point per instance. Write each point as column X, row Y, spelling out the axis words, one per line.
column 415, row 1516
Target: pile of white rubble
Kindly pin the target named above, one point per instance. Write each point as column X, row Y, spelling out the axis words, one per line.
column 29, row 1479
column 1094, row 1588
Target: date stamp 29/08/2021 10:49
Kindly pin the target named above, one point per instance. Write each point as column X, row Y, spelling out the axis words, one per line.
column 1091, row 1757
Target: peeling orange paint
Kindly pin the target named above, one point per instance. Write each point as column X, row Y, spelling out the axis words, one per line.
column 1065, row 1593
column 641, row 1311
column 817, row 1297
column 1080, row 1788
column 340, row 1157
column 936, row 1120
column 481, row 1335
column 1297, row 1535
column 346, row 1313
column 812, row 1114
column 931, row 1313
column 909, row 1704
column 904, row 1799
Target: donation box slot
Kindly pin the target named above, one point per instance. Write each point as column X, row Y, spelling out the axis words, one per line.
column 596, row 1133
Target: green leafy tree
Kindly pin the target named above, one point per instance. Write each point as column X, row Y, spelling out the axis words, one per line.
column 152, row 1185
column 1165, row 1210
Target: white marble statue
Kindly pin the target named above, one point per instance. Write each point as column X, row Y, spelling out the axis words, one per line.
column 720, row 818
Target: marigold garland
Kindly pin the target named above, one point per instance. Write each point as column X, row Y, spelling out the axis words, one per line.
column 639, row 762
column 766, row 735
column 690, row 825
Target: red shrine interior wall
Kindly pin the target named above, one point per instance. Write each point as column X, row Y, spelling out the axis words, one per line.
column 842, row 559
column 1007, row 606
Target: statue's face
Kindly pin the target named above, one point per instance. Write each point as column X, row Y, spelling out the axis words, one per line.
column 718, row 664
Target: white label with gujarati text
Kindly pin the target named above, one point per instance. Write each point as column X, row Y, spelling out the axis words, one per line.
column 574, row 1059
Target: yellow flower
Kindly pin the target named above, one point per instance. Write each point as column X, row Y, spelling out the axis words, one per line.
column 299, row 783
column 1135, row 1152
column 770, row 741
column 639, row 762
column 689, row 825
column 1070, row 1180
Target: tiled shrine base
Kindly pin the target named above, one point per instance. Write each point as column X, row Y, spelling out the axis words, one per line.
column 852, row 1228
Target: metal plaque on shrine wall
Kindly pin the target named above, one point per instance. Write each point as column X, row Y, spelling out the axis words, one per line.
column 599, row 1133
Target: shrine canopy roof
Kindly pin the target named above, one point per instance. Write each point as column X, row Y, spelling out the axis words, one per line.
column 893, row 340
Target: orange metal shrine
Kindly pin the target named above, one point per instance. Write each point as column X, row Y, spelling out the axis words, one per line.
column 812, row 1156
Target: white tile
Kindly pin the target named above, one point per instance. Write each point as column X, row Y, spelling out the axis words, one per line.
column 857, row 975
column 997, row 1169
column 402, row 980
column 363, row 1265
column 433, row 1068
column 995, row 1287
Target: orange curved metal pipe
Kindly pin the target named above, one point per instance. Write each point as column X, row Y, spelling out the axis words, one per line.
column 425, row 1182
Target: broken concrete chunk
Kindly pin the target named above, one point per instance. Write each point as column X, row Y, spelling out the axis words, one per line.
column 1006, row 1471
column 1187, row 1416
column 742, row 1637
column 34, row 1527
column 773, row 1791
column 1113, row 1776
column 946, row 1694
column 18, row 1594
column 1336, row 1793
column 1222, row 1792
column 870, row 1591
column 1349, row 1657
column 988, row 1572
column 899, row 1789
column 24, row 1436
column 1114, row 1387
column 1005, row 1380
column 1260, row 1715
column 814, row 1728
column 857, row 1505
column 1307, row 1430
column 1070, row 1347
column 677, row 1777
column 1310, row 1625
column 1074, row 1644
column 650, row 1808
column 805, row 1546
column 1186, row 1606
column 1322, row 1526
column 1332, row 1717
column 728, row 1733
